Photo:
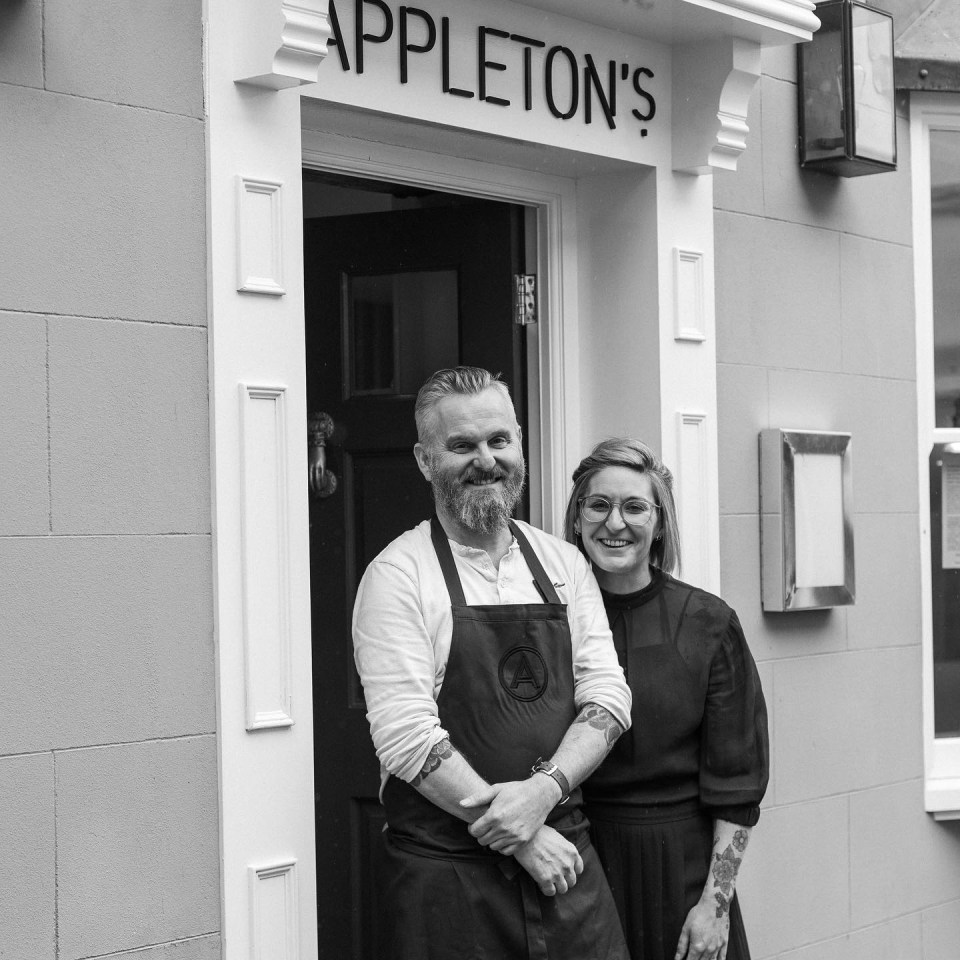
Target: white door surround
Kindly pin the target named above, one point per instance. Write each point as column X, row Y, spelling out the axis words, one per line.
column 626, row 261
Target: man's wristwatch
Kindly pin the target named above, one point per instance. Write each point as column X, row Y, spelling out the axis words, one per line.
column 552, row 770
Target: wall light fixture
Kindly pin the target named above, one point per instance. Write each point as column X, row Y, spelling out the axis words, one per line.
column 845, row 89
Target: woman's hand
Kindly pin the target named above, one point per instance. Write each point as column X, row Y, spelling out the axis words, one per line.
column 705, row 932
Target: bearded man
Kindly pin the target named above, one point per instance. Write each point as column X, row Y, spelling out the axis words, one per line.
column 492, row 689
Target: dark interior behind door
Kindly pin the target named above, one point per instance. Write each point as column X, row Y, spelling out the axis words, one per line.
column 390, row 296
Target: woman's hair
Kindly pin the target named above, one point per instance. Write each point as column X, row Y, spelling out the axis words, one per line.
column 636, row 455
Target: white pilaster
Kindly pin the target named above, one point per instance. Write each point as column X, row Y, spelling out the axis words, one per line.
column 258, row 424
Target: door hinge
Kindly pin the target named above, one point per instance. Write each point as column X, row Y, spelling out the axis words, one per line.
column 525, row 298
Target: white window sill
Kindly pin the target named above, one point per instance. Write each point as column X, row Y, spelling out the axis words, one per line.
column 942, row 798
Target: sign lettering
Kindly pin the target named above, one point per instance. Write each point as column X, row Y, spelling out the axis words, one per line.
column 568, row 82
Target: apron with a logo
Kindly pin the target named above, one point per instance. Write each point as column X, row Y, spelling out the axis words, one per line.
column 507, row 699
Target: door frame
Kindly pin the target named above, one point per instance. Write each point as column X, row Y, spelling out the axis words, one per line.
column 552, row 381
column 618, row 242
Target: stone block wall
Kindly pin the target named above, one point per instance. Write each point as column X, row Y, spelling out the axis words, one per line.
column 815, row 318
column 108, row 761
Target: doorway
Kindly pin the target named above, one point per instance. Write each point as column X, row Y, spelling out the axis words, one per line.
column 398, row 281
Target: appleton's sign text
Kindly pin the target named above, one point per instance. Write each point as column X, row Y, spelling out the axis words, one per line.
column 570, row 84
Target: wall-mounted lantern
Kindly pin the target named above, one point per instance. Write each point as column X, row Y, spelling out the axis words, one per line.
column 848, row 121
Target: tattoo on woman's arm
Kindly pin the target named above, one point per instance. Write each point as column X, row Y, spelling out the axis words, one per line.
column 740, row 840
column 600, row 719
column 724, row 870
column 438, row 753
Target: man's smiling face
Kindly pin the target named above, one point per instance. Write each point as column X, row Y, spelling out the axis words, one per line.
column 473, row 459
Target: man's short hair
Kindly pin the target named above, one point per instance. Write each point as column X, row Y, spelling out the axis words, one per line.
column 447, row 382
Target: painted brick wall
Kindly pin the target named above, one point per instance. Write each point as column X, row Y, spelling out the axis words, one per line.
column 815, row 330
column 108, row 768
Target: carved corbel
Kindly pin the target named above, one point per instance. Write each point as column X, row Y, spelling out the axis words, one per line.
column 712, row 84
column 285, row 42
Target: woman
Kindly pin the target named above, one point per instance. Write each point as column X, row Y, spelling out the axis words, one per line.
column 673, row 805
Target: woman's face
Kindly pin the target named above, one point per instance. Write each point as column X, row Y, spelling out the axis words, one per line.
column 620, row 551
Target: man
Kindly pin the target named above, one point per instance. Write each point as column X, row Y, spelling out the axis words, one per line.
column 492, row 690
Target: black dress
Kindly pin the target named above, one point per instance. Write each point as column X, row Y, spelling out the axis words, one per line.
column 697, row 751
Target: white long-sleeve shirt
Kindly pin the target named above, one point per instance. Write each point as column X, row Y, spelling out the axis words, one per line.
column 402, row 627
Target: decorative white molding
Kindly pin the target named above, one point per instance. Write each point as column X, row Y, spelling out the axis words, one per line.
column 266, row 782
column 689, row 305
column 713, row 81
column 285, row 42
column 260, row 237
column 681, row 21
column 731, row 137
column 301, row 29
column 274, row 920
column 693, row 499
column 794, row 17
column 264, row 556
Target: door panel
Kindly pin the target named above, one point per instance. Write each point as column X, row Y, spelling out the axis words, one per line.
column 390, row 297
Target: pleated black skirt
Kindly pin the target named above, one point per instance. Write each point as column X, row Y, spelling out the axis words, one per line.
column 657, row 865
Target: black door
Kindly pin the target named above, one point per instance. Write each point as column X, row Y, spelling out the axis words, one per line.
column 390, row 297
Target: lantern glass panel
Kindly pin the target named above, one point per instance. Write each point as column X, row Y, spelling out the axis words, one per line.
column 822, row 86
column 873, row 91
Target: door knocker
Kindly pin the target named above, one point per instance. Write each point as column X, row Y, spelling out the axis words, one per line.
column 323, row 482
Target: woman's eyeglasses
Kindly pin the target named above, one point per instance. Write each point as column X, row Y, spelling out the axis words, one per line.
column 635, row 512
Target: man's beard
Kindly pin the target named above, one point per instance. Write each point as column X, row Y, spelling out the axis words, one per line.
column 483, row 510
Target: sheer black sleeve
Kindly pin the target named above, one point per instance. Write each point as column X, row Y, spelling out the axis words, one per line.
column 734, row 749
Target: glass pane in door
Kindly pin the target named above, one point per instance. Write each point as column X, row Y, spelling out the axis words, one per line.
column 398, row 329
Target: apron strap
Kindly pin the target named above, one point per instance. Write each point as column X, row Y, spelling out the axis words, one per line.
column 536, row 940
column 532, row 914
column 452, row 577
column 447, row 564
column 540, row 578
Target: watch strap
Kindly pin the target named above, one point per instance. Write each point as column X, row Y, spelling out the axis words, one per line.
column 552, row 770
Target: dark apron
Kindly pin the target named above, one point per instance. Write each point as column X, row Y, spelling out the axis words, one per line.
column 507, row 699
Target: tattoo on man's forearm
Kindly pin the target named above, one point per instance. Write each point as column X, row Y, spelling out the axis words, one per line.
column 600, row 719
column 724, row 870
column 438, row 753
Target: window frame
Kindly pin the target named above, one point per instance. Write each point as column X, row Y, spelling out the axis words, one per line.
column 930, row 112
